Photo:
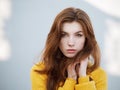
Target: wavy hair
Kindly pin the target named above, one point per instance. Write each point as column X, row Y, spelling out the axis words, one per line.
column 55, row 62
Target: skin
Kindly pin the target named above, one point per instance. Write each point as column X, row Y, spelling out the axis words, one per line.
column 72, row 41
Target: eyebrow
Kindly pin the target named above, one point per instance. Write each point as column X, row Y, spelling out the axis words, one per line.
column 75, row 32
column 79, row 32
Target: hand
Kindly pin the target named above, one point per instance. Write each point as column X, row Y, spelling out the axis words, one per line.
column 71, row 71
column 83, row 67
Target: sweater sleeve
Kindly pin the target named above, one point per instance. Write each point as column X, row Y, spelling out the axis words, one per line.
column 85, row 84
column 68, row 85
column 100, row 78
column 98, row 82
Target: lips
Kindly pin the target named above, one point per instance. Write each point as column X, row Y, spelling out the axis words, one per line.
column 71, row 50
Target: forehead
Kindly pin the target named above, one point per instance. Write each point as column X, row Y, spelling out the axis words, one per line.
column 72, row 27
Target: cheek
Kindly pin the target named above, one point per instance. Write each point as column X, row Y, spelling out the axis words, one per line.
column 81, row 43
column 62, row 44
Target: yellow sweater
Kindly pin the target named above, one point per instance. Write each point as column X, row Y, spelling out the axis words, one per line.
column 99, row 81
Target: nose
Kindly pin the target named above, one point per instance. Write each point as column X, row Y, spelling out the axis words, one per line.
column 71, row 42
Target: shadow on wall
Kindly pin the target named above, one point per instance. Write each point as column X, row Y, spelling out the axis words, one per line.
column 5, row 13
column 111, row 42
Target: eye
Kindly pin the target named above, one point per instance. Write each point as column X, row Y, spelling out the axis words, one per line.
column 79, row 35
column 63, row 34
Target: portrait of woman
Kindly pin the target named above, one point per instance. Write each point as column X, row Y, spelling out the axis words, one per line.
column 71, row 56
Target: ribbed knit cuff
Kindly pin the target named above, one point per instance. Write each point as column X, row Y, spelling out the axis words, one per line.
column 69, row 84
column 86, row 86
column 83, row 79
column 71, row 80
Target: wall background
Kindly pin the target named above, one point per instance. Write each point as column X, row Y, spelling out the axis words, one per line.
column 27, row 30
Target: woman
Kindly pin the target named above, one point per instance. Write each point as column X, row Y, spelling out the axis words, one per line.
column 70, row 47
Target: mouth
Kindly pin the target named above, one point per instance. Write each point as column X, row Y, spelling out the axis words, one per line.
column 71, row 50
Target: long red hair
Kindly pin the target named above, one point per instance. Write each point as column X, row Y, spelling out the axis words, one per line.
column 55, row 62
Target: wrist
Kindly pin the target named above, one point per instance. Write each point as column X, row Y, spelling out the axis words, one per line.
column 82, row 75
column 73, row 77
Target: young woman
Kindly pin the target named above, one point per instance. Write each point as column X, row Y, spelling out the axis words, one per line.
column 66, row 60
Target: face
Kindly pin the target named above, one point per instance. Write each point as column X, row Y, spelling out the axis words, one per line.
column 72, row 39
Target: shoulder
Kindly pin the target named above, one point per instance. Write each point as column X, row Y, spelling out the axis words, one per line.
column 99, row 74
column 38, row 79
column 98, row 70
column 37, row 67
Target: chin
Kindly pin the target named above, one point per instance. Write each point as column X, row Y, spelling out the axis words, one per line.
column 69, row 56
